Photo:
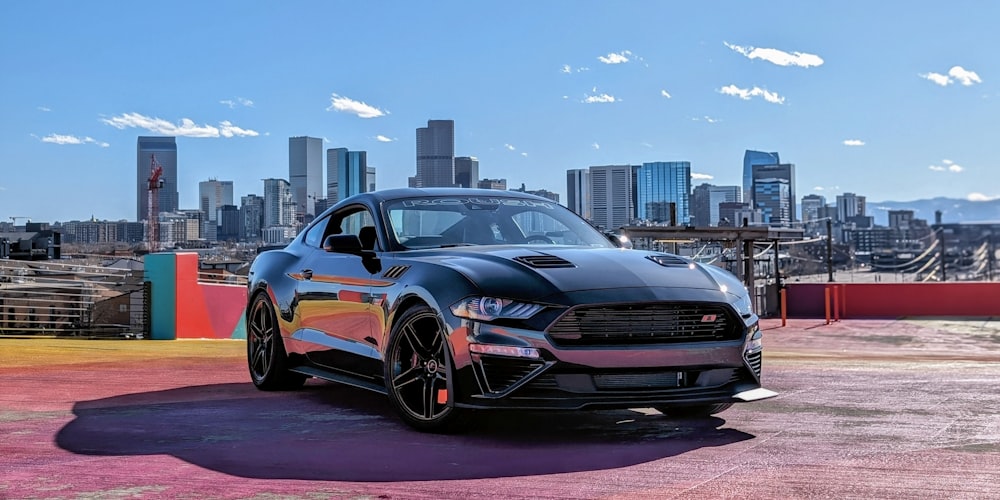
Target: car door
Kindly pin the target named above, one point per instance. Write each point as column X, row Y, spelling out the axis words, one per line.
column 334, row 300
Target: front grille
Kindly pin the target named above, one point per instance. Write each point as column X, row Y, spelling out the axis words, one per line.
column 639, row 324
column 499, row 373
column 663, row 380
column 755, row 360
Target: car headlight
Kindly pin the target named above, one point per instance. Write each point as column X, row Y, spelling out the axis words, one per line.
column 743, row 304
column 492, row 308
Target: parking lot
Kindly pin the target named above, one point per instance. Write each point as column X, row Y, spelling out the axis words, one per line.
column 867, row 409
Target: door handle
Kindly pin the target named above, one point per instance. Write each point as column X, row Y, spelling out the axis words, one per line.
column 307, row 274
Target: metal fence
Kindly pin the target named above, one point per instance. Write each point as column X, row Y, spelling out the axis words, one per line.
column 70, row 299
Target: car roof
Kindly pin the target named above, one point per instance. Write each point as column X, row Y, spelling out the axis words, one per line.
column 400, row 193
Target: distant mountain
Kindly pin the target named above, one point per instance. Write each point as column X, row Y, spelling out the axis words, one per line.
column 952, row 210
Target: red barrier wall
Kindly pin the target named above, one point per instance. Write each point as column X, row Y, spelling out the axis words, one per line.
column 893, row 300
column 205, row 310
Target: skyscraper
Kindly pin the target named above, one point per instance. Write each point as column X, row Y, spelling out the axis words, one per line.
column 850, row 205
column 347, row 174
column 751, row 158
column 251, row 217
column 578, row 192
column 353, row 177
column 612, row 195
column 811, row 205
column 771, row 196
column 659, row 184
column 336, row 159
column 370, row 179
column 706, row 199
column 784, row 171
column 466, row 171
column 436, row 154
column 164, row 149
column 305, row 172
column 213, row 194
column 279, row 207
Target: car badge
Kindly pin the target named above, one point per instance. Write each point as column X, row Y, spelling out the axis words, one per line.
column 708, row 318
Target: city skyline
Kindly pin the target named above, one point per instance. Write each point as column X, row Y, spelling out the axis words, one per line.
column 892, row 111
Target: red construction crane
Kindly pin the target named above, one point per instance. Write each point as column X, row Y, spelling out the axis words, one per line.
column 155, row 182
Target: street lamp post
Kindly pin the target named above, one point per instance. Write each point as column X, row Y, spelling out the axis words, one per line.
column 829, row 249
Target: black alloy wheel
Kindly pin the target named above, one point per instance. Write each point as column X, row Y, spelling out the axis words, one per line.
column 417, row 372
column 266, row 357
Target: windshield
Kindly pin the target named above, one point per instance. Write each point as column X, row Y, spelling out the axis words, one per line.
column 443, row 221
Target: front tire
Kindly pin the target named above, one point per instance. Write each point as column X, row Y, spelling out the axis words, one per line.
column 266, row 357
column 694, row 411
column 418, row 371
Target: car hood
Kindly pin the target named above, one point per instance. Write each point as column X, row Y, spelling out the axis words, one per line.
column 535, row 272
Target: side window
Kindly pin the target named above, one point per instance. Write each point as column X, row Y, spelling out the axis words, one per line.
column 361, row 224
column 314, row 237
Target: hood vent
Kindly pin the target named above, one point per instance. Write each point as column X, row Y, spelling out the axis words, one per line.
column 668, row 260
column 544, row 261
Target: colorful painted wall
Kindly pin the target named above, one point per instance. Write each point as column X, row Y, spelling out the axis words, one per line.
column 894, row 300
column 183, row 308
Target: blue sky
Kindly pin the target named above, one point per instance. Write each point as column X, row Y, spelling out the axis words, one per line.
column 892, row 100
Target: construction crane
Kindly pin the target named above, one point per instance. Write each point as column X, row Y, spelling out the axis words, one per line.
column 154, row 183
column 14, row 218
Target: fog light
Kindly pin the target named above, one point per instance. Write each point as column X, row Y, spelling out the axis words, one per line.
column 505, row 350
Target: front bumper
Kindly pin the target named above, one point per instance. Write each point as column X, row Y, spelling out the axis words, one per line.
column 603, row 377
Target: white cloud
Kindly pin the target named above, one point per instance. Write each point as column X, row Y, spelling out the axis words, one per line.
column 645, row 144
column 746, row 94
column 524, row 155
column 779, row 57
column 71, row 139
column 382, row 138
column 44, row 109
column 616, row 57
column 972, row 197
column 818, row 188
column 227, row 129
column 348, row 105
column 567, row 69
column 947, row 166
column 956, row 73
column 600, row 98
column 186, row 128
column 509, row 147
column 2, row 188
column 241, row 101
column 701, row 177
column 709, row 119
column 666, row 94
column 964, row 76
column 595, row 146
column 937, row 78
column 854, row 142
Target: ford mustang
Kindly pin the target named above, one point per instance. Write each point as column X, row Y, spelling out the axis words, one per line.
column 452, row 300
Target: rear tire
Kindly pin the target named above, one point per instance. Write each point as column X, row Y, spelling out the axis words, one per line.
column 418, row 369
column 266, row 357
column 694, row 411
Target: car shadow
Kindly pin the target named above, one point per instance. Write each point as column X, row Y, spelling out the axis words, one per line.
column 332, row 432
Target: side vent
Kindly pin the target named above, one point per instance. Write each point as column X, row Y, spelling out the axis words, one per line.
column 544, row 261
column 395, row 272
column 668, row 260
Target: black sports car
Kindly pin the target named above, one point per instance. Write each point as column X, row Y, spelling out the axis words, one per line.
column 448, row 300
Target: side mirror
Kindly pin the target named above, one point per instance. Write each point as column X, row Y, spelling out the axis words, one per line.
column 351, row 244
column 343, row 243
